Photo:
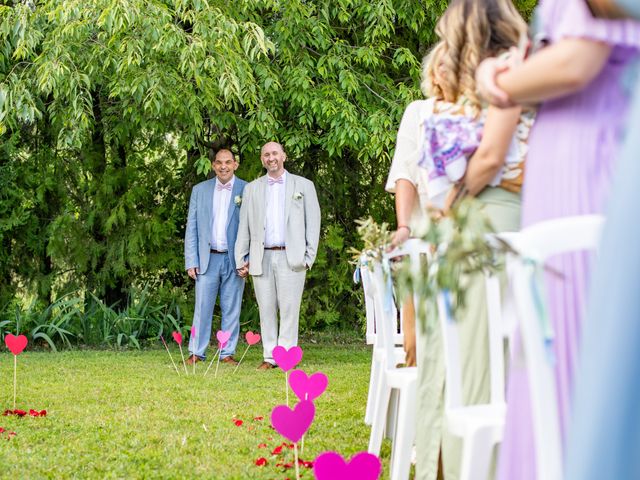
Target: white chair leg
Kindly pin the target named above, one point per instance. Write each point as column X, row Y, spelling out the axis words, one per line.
column 379, row 417
column 392, row 415
column 476, row 455
column 405, row 434
column 373, row 384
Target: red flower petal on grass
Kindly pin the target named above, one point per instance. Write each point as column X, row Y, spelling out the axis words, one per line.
column 290, row 446
column 258, row 419
column 305, row 464
column 277, row 450
column 34, row 413
column 19, row 413
column 262, row 445
column 261, row 462
column 1, row 430
column 238, row 423
column 43, row 413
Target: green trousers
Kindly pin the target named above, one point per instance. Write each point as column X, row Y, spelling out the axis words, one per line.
column 503, row 209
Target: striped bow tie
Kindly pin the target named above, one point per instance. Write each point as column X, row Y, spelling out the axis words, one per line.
column 223, row 186
column 273, row 181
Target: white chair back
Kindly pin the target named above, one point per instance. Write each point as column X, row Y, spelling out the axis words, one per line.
column 365, row 279
column 370, row 315
column 415, row 249
column 535, row 245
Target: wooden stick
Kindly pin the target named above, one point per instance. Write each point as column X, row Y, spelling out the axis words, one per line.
column 183, row 362
column 217, row 365
column 295, row 452
column 306, row 397
column 15, row 379
column 172, row 362
column 286, row 385
column 245, row 352
column 211, row 362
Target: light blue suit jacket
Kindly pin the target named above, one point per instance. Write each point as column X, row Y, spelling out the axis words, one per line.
column 197, row 237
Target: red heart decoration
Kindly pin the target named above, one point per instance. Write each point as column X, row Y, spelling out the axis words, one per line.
column 223, row 337
column 15, row 344
column 293, row 424
column 177, row 336
column 287, row 359
column 331, row 466
column 252, row 338
column 308, row 388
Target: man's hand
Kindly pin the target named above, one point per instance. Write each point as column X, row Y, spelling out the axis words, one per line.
column 243, row 271
column 193, row 272
column 486, row 81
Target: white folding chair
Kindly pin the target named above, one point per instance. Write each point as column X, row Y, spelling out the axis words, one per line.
column 481, row 426
column 535, row 245
column 393, row 379
column 378, row 352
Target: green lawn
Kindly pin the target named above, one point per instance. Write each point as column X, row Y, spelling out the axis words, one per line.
column 128, row 415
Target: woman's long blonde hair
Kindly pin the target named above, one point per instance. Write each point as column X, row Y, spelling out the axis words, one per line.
column 469, row 31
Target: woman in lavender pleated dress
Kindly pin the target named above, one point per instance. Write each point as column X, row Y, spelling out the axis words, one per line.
column 573, row 145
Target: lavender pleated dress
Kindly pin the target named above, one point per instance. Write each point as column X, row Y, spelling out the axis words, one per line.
column 573, row 147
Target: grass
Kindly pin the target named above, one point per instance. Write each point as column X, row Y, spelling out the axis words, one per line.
column 128, row 415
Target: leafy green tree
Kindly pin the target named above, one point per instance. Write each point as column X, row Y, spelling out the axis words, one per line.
column 110, row 110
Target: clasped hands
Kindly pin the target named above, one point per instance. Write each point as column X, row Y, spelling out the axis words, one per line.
column 487, row 77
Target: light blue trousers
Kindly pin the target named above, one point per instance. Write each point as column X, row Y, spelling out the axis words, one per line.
column 220, row 278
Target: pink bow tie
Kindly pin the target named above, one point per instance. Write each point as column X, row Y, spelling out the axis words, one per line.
column 273, row 181
column 223, row 186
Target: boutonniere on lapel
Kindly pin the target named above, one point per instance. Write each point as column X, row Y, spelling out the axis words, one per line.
column 298, row 196
column 237, row 200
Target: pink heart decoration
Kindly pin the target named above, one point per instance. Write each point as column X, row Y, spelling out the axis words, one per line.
column 177, row 336
column 221, row 345
column 252, row 338
column 308, row 388
column 223, row 337
column 287, row 359
column 193, row 330
column 15, row 344
column 293, row 424
column 362, row 466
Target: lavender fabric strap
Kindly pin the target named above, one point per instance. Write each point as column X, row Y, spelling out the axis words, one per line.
column 571, row 18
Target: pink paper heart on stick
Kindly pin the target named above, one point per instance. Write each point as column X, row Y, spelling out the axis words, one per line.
column 223, row 337
column 287, row 359
column 252, row 338
column 177, row 336
column 15, row 344
column 293, row 424
column 362, row 466
column 308, row 388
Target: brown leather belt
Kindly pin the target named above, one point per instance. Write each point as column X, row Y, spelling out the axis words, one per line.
column 275, row 248
column 218, row 251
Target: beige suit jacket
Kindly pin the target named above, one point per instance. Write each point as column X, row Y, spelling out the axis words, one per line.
column 302, row 220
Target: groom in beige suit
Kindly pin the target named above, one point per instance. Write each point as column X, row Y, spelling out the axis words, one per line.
column 277, row 243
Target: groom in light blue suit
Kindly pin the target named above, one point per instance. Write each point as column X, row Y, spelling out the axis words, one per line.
column 209, row 242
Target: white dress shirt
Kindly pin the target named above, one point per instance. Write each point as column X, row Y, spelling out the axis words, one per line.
column 274, row 225
column 221, row 199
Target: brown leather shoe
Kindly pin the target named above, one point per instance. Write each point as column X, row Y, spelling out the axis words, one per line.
column 266, row 366
column 193, row 359
column 229, row 360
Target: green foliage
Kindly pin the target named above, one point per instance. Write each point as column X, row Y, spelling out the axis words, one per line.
column 462, row 249
column 110, row 111
column 72, row 321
